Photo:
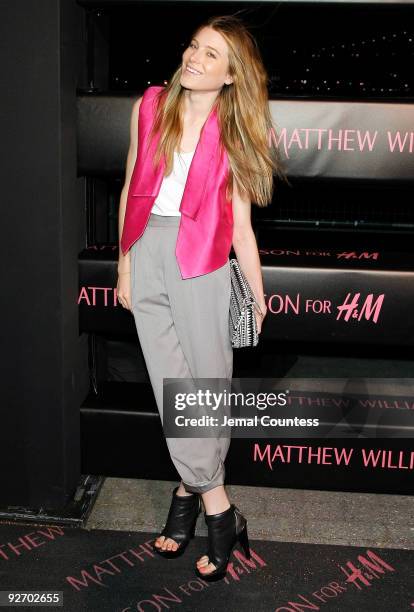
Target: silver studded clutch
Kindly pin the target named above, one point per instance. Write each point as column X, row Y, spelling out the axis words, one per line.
column 242, row 319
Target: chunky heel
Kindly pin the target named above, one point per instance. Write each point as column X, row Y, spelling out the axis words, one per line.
column 224, row 530
column 244, row 541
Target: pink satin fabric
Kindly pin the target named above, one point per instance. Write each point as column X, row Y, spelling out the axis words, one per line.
column 206, row 225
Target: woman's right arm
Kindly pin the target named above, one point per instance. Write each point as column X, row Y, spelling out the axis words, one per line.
column 124, row 261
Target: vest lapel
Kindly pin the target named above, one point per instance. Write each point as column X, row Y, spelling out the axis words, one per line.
column 149, row 179
column 207, row 149
column 201, row 165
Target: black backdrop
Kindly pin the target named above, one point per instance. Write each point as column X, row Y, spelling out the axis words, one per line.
column 44, row 358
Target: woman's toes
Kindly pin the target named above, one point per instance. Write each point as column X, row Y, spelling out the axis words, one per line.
column 207, row 569
column 169, row 544
column 164, row 543
column 204, row 566
column 174, row 545
column 202, row 560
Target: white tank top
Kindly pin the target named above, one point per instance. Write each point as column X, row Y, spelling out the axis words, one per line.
column 172, row 187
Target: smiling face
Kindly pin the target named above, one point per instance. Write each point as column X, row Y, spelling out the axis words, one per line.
column 205, row 62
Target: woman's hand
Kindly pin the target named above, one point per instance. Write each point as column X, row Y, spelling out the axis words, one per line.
column 123, row 290
column 260, row 317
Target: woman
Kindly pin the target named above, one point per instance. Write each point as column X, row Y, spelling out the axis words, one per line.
column 199, row 154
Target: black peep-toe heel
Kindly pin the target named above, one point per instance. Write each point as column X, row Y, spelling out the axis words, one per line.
column 224, row 529
column 181, row 522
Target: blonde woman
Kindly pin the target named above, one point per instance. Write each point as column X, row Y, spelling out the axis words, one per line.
column 200, row 153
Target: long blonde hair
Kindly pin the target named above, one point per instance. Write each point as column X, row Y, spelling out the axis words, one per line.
column 246, row 128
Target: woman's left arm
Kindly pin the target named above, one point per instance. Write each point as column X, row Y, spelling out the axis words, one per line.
column 247, row 253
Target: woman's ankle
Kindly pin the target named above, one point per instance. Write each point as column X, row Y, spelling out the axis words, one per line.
column 217, row 509
column 181, row 491
column 216, row 501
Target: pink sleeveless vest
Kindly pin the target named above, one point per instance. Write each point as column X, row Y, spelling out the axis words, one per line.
column 206, row 225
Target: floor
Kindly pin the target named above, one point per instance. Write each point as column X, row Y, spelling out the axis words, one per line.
column 285, row 515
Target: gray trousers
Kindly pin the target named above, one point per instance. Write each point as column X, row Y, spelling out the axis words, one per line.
column 182, row 326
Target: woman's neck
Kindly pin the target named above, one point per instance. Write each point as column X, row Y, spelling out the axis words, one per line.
column 197, row 106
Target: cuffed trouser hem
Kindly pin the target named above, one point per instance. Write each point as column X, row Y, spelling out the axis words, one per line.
column 203, row 487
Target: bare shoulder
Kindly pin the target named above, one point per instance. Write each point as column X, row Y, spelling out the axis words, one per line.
column 136, row 105
column 133, row 141
column 135, row 113
column 150, row 91
column 134, row 125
